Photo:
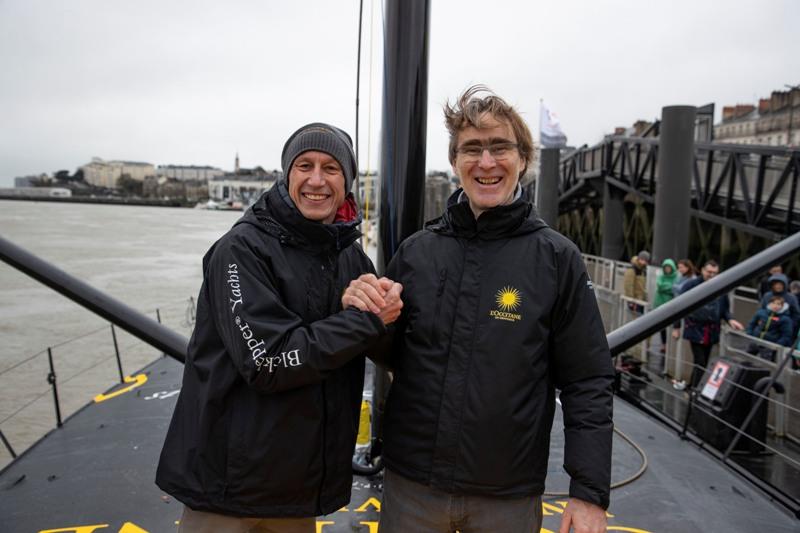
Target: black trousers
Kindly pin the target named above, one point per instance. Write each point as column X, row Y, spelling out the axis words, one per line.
column 700, row 354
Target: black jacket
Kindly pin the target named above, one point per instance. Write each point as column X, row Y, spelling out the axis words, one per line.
column 267, row 416
column 497, row 314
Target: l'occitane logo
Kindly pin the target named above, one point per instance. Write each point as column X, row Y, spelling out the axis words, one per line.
column 508, row 299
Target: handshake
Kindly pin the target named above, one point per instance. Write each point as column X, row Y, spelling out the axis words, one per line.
column 378, row 295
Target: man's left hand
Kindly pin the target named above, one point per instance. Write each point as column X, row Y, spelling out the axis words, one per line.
column 583, row 517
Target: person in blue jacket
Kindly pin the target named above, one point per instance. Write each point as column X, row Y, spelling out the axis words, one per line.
column 773, row 323
column 779, row 284
column 702, row 326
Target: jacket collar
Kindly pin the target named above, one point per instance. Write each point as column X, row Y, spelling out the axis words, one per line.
column 518, row 217
column 276, row 214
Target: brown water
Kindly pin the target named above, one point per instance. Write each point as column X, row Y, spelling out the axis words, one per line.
column 147, row 257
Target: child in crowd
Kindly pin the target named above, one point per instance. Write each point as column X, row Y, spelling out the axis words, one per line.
column 772, row 323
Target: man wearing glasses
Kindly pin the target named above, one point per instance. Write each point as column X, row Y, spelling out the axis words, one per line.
column 498, row 312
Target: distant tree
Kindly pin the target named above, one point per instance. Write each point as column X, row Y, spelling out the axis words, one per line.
column 78, row 176
column 129, row 186
column 61, row 175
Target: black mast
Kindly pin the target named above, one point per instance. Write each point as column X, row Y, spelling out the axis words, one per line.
column 403, row 132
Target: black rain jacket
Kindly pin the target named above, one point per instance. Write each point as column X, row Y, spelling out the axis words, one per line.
column 497, row 313
column 267, row 416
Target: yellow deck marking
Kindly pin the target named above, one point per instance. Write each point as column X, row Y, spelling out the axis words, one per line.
column 373, row 526
column 128, row 527
column 370, row 501
column 136, row 381
column 320, row 524
column 75, row 529
column 364, row 425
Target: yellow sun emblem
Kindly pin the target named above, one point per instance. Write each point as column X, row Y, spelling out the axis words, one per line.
column 508, row 299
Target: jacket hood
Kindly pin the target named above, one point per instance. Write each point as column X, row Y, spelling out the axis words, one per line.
column 779, row 277
column 517, row 218
column 669, row 263
column 275, row 214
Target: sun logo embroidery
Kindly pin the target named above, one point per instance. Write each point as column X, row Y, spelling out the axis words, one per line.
column 508, row 300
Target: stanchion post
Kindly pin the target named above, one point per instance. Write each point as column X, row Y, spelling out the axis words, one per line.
column 116, row 352
column 51, row 379
column 8, row 445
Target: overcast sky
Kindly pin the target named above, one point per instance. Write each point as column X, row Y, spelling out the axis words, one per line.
column 193, row 82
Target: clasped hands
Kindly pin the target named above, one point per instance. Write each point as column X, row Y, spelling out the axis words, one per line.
column 378, row 295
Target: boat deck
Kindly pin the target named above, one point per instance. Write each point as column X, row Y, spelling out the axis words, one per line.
column 96, row 474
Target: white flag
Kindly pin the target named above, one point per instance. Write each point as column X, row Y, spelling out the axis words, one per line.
column 550, row 132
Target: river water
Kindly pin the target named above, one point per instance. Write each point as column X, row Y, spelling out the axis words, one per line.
column 148, row 257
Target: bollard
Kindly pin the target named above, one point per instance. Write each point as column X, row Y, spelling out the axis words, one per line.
column 547, row 187
column 674, row 186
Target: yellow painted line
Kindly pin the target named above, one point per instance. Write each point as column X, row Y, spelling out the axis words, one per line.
column 364, row 433
column 136, row 381
column 129, row 527
column 75, row 529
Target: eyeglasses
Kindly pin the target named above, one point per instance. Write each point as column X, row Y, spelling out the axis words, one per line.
column 499, row 151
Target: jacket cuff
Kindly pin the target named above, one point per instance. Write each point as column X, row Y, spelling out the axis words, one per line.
column 582, row 492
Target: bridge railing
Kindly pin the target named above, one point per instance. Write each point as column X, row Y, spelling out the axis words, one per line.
column 645, row 380
column 754, row 186
column 40, row 391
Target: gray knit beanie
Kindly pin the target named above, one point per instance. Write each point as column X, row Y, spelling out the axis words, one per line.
column 323, row 138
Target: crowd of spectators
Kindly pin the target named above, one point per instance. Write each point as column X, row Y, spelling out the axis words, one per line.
column 777, row 319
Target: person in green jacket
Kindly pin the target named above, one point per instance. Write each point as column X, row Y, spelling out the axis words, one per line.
column 664, row 282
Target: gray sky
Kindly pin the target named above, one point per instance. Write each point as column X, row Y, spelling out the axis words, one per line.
column 192, row 82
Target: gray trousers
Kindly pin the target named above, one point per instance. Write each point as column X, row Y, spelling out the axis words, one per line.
column 409, row 506
column 202, row 522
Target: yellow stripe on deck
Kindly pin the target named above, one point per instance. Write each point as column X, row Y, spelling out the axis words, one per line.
column 364, row 424
column 136, row 381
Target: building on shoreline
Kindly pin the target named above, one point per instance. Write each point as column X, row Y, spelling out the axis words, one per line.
column 188, row 172
column 774, row 122
column 35, row 192
column 243, row 185
column 101, row 173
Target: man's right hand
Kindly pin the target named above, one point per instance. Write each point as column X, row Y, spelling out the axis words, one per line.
column 380, row 296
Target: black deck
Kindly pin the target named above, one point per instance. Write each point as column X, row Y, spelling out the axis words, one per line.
column 98, row 470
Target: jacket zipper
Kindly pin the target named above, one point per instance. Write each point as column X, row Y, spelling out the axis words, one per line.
column 766, row 326
column 440, row 289
column 324, row 449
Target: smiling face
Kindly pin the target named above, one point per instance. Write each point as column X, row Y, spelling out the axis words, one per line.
column 316, row 186
column 488, row 182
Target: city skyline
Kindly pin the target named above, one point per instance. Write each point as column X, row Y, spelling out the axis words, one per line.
column 195, row 83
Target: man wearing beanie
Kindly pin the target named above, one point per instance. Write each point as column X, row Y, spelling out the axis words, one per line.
column 263, row 431
column 635, row 281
